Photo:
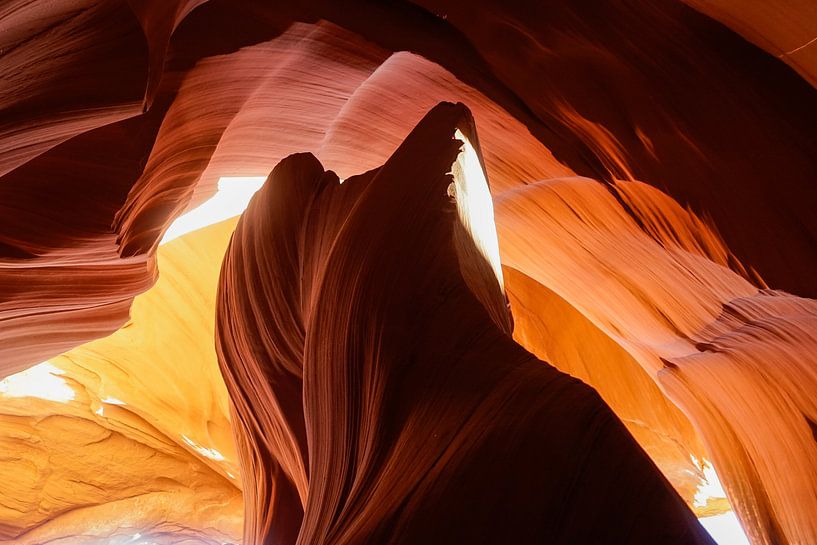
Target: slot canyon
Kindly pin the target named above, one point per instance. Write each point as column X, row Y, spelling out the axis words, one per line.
column 430, row 272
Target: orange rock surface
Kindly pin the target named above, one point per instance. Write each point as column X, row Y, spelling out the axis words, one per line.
column 129, row 434
column 652, row 174
column 392, row 391
column 787, row 30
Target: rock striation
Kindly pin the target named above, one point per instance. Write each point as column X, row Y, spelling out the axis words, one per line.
column 652, row 172
column 366, row 321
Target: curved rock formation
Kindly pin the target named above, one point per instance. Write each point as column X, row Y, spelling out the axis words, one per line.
column 129, row 435
column 556, row 332
column 384, row 396
column 787, row 30
column 671, row 303
column 653, row 178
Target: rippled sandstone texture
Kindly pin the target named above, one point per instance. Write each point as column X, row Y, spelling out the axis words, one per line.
column 393, row 397
column 653, row 176
column 129, row 434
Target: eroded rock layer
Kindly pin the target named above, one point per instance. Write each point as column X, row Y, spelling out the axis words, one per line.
column 601, row 87
column 127, row 439
column 684, row 306
column 393, row 396
column 653, row 175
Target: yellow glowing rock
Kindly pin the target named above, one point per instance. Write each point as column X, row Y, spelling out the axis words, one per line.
column 128, row 434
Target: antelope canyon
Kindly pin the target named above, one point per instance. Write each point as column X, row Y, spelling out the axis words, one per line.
column 354, row 272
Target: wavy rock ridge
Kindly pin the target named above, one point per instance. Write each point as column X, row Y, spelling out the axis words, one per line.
column 652, row 174
column 392, row 392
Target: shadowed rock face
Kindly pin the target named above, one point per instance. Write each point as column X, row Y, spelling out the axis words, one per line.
column 394, row 400
column 653, row 179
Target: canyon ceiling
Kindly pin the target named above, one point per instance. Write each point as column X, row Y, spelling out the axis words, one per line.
column 520, row 272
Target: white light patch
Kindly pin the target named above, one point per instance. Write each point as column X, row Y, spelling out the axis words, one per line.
column 725, row 529
column 40, row 381
column 231, row 199
column 475, row 198
column 113, row 401
column 211, row 453
column 712, row 488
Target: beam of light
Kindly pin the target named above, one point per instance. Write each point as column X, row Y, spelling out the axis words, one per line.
column 231, row 199
column 41, row 381
column 474, row 196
